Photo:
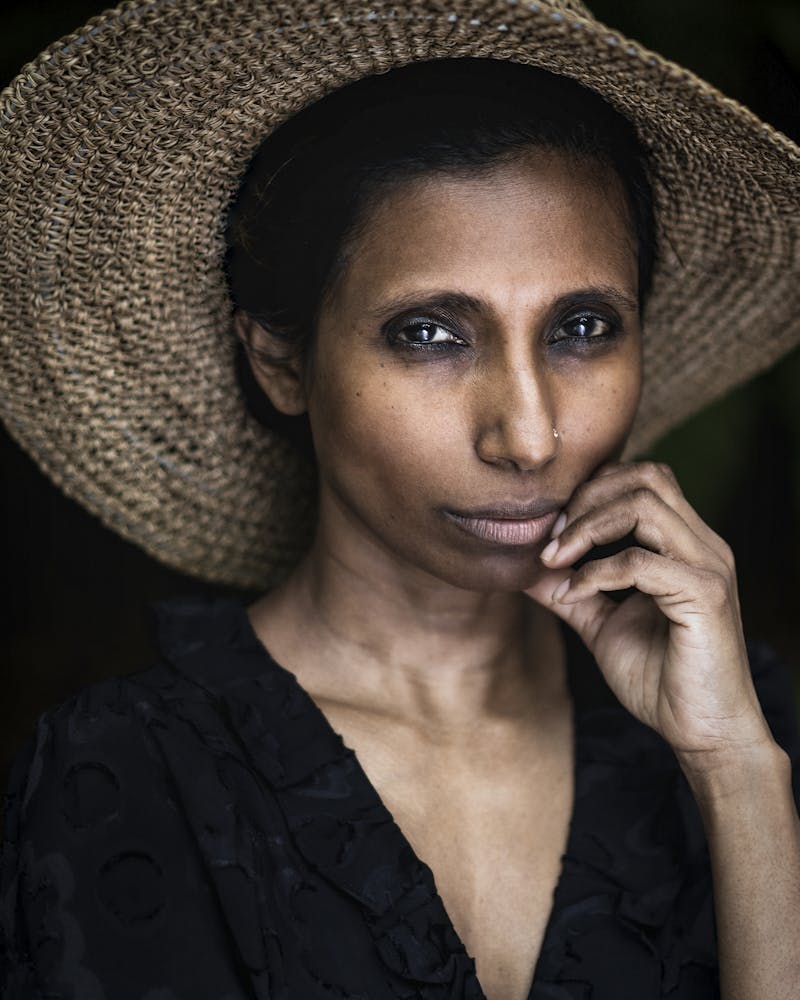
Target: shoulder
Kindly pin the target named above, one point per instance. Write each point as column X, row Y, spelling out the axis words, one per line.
column 80, row 781
column 99, row 848
column 78, row 747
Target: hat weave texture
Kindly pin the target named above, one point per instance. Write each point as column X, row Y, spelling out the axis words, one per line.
column 121, row 147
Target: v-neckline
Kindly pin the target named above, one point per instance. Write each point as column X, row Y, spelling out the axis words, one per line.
column 593, row 689
column 634, row 837
column 336, row 816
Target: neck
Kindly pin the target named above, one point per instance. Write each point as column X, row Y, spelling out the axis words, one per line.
column 358, row 627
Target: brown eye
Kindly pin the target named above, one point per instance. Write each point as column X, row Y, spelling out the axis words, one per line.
column 586, row 326
column 424, row 333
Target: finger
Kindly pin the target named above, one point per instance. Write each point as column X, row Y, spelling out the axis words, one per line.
column 679, row 590
column 608, row 469
column 616, row 479
column 585, row 617
column 642, row 514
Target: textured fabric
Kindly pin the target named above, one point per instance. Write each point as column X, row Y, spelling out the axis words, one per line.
column 199, row 830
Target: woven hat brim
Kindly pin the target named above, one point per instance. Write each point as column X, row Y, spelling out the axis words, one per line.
column 120, row 149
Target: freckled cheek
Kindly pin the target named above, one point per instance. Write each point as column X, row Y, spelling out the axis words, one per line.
column 388, row 435
column 596, row 417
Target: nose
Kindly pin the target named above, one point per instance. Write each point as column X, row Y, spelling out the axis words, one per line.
column 516, row 427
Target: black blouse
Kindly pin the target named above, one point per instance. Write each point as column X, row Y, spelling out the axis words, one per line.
column 198, row 830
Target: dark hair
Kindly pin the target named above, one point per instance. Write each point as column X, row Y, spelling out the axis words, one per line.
column 312, row 183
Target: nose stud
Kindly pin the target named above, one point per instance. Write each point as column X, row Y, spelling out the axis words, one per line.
column 555, row 433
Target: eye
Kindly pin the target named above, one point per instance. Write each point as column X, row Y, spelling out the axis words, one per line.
column 424, row 333
column 586, row 326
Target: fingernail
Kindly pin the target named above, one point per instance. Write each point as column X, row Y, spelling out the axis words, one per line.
column 550, row 550
column 560, row 590
column 558, row 527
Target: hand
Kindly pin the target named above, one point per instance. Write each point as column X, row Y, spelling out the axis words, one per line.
column 673, row 652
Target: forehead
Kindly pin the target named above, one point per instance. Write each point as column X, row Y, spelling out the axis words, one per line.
column 539, row 224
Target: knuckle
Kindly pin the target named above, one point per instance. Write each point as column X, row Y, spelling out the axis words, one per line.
column 671, row 479
column 643, row 496
column 724, row 553
column 634, row 558
column 659, row 475
column 715, row 589
column 665, row 471
column 651, row 472
column 727, row 555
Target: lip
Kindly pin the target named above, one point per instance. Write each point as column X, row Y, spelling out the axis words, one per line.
column 508, row 525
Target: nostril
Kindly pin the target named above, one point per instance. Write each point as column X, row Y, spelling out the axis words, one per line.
column 516, row 417
column 522, row 448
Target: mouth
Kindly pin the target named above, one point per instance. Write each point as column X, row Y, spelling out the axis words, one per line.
column 508, row 524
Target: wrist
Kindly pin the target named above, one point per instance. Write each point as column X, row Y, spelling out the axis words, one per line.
column 730, row 774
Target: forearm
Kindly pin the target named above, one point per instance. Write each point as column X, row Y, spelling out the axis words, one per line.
column 753, row 832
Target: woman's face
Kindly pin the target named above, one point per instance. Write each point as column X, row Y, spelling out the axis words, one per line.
column 475, row 316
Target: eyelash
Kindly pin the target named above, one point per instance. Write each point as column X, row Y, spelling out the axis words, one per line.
column 586, row 342
column 395, row 340
column 578, row 342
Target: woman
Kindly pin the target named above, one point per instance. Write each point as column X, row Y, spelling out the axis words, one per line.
column 435, row 758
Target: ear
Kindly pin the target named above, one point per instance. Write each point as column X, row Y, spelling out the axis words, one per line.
column 276, row 367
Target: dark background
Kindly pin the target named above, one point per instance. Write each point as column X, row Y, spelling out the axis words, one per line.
column 77, row 604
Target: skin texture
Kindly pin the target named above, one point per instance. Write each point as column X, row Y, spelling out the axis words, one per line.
column 401, row 435
column 414, row 634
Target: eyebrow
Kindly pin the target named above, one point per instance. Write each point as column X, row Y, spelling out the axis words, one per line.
column 462, row 302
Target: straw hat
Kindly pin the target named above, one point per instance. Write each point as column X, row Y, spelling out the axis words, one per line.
column 121, row 147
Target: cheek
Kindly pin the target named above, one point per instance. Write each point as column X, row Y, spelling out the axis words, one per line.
column 380, row 431
column 596, row 413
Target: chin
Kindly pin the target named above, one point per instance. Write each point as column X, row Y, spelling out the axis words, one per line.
column 502, row 573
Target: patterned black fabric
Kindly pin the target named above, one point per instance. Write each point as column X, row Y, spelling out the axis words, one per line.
column 198, row 830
